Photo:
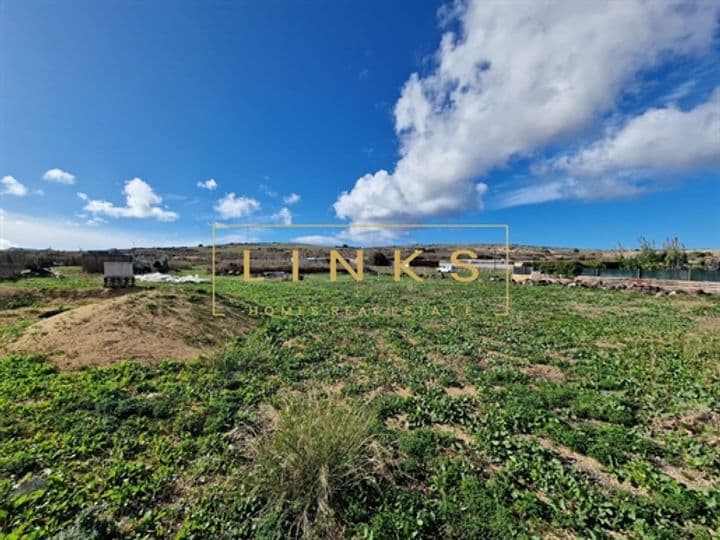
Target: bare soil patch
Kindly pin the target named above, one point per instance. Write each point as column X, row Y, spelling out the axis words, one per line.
column 707, row 325
column 588, row 465
column 691, row 422
column 400, row 391
column 398, row 422
column 616, row 345
column 455, row 431
column 545, row 372
column 467, row 390
column 146, row 326
column 691, row 479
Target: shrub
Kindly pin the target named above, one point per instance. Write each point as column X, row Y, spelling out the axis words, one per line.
column 20, row 302
column 254, row 353
column 569, row 268
column 321, row 453
column 380, row 259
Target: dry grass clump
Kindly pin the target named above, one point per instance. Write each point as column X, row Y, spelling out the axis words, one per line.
column 321, row 452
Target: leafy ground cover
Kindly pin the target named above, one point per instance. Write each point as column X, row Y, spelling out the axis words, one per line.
column 583, row 413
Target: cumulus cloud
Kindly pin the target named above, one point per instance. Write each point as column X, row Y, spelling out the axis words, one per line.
column 140, row 202
column 209, row 184
column 231, row 206
column 293, row 198
column 665, row 139
column 59, row 176
column 647, row 150
column 517, row 77
column 283, row 216
column 82, row 196
column 10, row 186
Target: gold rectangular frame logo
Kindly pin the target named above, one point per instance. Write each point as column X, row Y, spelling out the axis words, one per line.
column 505, row 227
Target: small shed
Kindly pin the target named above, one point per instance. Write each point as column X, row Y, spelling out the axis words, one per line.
column 93, row 261
column 11, row 264
column 118, row 274
column 523, row 267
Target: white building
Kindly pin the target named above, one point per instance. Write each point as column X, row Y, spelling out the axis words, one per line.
column 445, row 267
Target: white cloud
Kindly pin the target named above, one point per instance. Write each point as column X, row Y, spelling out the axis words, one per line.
column 59, row 176
column 209, row 184
column 666, row 140
column 358, row 236
column 518, row 77
column 140, row 202
column 648, row 150
column 265, row 189
column 18, row 230
column 231, row 206
column 82, row 196
column 95, row 221
column 283, row 216
column 317, row 240
column 291, row 199
column 10, row 186
column 680, row 91
column 247, row 237
column 570, row 188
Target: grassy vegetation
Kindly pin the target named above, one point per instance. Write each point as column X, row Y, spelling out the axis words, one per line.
column 320, row 453
column 72, row 278
column 585, row 412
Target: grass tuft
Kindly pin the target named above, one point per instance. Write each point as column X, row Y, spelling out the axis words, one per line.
column 321, row 453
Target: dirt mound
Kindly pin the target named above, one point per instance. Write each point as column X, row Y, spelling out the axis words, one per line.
column 144, row 326
column 10, row 297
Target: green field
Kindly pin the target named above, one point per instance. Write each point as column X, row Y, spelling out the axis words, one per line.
column 583, row 413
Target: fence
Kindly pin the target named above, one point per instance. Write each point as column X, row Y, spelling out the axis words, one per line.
column 688, row 274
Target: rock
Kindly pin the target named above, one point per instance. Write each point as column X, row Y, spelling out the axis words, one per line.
column 28, row 485
column 38, row 271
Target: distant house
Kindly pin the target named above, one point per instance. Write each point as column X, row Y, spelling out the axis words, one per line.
column 480, row 264
column 523, row 267
column 446, row 266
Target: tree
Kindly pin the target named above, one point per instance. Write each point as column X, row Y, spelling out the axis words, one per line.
column 649, row 258
column 675, row 256
column 379, row 259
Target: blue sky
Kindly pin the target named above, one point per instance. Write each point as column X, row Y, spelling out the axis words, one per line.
column 585, row 127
